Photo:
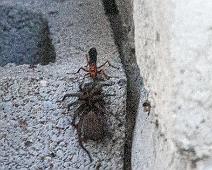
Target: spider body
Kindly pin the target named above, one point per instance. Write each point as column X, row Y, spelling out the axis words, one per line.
column 147, row 106
column 91, row 112
column 93, row 126
column 91, row 68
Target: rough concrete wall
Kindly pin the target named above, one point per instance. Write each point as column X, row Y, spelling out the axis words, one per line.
column 24, row 37
column 34, row 131
column 172, row 40
column 125, row 42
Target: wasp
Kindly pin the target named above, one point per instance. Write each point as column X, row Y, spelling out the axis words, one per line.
column 91, row 68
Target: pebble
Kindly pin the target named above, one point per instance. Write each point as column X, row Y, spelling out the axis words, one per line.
column 63, row 123
column 60, row 153
column 43, row 83
column 48, row 105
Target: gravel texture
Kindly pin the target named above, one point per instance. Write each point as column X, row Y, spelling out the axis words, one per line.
column 35, row 130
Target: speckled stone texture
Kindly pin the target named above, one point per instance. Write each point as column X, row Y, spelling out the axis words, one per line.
column 173, row 50
column 24, row 37
column 35, row 129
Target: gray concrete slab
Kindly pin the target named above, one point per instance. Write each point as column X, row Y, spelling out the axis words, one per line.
column 24, row 37
column 35, row 134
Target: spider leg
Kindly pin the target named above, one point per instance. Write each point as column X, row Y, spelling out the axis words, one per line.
column 80, row 86
column 101, row 108
column 108, row 64
column 105, row 111
column 97, row 97
column 79, row 126
column 80, row 110
column 71, row 94
column 97, row 88
column 74, row 103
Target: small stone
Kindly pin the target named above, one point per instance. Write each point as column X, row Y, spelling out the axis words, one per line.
column 48, row 105
column 63, row 123
column 7, row 97
column 28, row 143
column 122, row 82
column 43, row 83
column 8, row 107
column 23, row 168
column 60, row 153
column 62, row 144
column 54, row 138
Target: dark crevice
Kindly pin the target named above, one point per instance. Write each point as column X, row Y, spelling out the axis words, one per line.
column 110, row 7
column 134, row 80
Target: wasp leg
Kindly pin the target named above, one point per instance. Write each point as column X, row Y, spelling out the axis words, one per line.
column 108, row 64
column 104, row 74
column 82, row 68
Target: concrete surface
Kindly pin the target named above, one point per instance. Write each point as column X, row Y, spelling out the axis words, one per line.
column 172, row 40
column 24, row 37
column 35, row 132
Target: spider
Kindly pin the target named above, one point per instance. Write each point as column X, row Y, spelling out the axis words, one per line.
column 91, row 113
column 92, row 69
column 147, row 105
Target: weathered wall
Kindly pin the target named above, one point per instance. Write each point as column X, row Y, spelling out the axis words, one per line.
column 24, row 37
column 172, row 40
column 35, row 125
column 122, row 25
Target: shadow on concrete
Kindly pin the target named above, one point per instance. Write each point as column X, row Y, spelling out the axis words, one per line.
column 24, row 37
column 134, row 80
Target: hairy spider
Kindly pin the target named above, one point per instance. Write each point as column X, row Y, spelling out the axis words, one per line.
column 91, row 112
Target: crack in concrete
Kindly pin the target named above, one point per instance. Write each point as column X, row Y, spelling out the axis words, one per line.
column 134, row 80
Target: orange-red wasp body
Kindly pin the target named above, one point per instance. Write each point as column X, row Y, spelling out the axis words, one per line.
column 91, row 66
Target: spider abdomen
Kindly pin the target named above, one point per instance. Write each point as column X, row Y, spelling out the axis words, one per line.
column 93, row 126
